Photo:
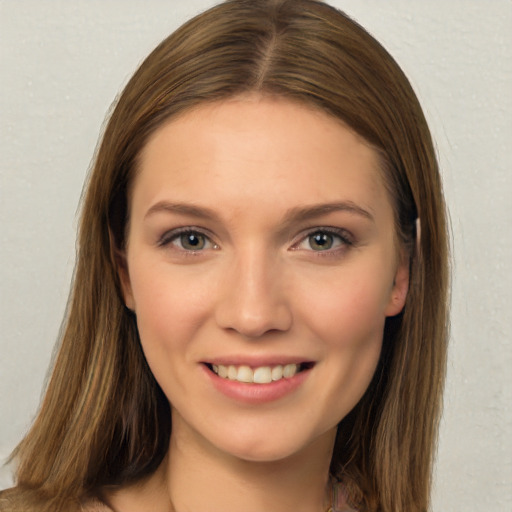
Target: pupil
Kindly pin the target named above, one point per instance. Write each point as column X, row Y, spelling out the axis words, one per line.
column 321, row 241
column 192, row 241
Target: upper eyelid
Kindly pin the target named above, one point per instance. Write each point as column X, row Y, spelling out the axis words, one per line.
column 343, row 233
column 171, row 234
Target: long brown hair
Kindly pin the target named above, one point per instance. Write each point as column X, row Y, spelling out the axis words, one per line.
column 104, row 420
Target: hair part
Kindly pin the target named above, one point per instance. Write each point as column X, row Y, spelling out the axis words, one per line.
column 104, row 420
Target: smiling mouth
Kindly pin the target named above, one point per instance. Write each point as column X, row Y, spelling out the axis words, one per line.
column 259, row 375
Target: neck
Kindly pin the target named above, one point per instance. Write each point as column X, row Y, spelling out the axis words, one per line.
column 200, row 477
column 195, row 475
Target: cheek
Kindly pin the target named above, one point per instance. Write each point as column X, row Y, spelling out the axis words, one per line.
column 352, row 329
column 349, row 311
column 169, row 310
column 347, row 324
column 350, row 321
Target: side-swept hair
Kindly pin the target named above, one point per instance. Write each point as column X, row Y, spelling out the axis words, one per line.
column 104, row 420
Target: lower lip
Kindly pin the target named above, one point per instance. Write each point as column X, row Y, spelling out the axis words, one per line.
column 257, row 393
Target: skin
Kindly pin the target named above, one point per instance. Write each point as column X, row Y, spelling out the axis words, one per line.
column 259, row 171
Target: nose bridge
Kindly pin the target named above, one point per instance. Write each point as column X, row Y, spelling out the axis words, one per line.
column 254, row 299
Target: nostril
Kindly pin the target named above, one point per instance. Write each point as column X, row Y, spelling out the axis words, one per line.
column 254, row 322
column 252, row 301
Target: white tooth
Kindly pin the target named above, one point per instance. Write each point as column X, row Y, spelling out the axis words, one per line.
column 215, row 368
column 245, row 374
column 262, row 375
column 277, row 372
column 232, row 372
column 223, row 371
column 289, row 370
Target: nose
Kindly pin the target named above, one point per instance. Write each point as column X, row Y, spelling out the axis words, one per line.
column 253, row 299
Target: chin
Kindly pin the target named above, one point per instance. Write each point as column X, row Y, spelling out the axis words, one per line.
column 261, row 453
column 272, row 448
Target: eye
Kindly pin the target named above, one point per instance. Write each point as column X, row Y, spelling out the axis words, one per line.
column 189, row 240
column 322, row 240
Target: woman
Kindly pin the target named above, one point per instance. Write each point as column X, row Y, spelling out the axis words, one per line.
column 257, row 321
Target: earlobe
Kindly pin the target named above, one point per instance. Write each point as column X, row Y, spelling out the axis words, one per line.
column 400, row 288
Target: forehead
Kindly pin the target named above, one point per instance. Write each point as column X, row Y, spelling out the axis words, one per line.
column 258, row 150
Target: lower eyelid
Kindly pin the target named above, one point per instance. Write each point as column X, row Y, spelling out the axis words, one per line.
column 344, row 238
column 171, row 236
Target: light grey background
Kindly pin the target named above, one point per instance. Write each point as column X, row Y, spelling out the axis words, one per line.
column 62, row 64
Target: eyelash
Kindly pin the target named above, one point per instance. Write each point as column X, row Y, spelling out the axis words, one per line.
column 171, row 236
column 345, row 240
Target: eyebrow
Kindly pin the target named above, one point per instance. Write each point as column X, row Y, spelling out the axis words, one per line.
column 300, row 214
column 183, row 209
column 293, row 215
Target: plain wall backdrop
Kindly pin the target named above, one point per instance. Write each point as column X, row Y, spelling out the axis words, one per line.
column 62, row 64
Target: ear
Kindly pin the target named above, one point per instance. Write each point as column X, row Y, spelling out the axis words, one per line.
column 119, row 260
column 124, row 279
column 400, row 287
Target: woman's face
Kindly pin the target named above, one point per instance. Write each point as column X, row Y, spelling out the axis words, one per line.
column 261, row 265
